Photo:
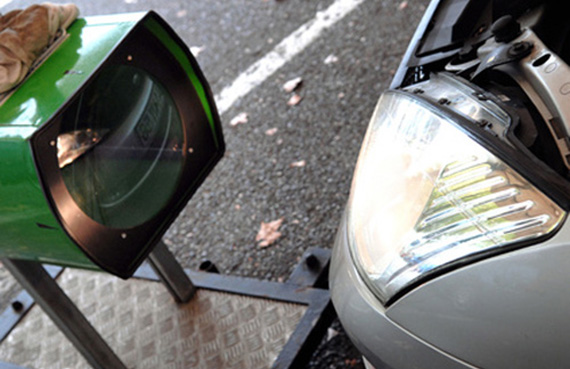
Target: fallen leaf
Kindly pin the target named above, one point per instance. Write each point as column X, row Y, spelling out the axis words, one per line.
column 331, row 59
column 403, row 5
column 181, row 13
column 352, row 362
column 292, row 84
column 241, row 118
column 269, row 232
column 196, row 50
column 271, row 131
column 298, row 164
column 294, row 100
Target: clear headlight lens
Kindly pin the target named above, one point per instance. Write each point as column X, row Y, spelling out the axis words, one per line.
column 425, row 195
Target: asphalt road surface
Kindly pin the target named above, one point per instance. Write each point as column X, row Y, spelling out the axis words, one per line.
column 285, row 161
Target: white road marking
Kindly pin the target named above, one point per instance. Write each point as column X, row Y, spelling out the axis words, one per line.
column 283, row 52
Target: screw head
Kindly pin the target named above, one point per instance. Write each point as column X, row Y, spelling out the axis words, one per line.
column 17, row 306
column 520, row 49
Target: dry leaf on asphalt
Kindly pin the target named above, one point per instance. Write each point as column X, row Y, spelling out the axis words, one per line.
column 269, row 232
column 294, row 100
column 403, row 5
column 298, row 164
column 352, row 362
column 331, row 59
column 271, row 131
column 292, row 84
column 241, row 118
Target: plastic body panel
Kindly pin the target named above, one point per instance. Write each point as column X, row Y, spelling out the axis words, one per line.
column 384, row 343
column 506, row 311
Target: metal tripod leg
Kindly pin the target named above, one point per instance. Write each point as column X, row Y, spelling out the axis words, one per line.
column 55, row 303
column 171, row 273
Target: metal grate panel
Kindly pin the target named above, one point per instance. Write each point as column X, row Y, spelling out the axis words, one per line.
column 147, row 329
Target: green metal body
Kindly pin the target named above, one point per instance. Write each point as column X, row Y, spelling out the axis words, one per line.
column 28, row 228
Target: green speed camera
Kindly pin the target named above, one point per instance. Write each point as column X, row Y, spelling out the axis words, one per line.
column 104, row 144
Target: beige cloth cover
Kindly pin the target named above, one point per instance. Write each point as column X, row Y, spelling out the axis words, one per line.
column 24, row 35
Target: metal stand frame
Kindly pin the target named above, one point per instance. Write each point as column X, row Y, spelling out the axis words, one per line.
column 300, row 289
column 171, row 274
column 63, row 312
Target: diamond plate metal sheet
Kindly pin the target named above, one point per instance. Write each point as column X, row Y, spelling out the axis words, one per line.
column 145, row 327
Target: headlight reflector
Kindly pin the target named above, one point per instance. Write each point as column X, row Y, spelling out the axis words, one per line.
column 426, row 195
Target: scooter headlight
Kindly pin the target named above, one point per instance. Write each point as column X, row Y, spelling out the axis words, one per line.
column 425, row 195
